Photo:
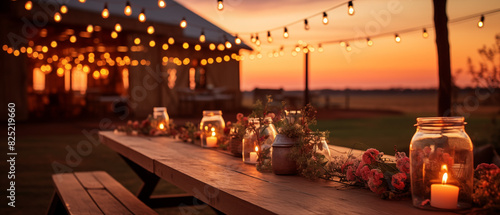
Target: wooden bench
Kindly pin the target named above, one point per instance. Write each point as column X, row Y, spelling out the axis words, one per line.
column 93, row 193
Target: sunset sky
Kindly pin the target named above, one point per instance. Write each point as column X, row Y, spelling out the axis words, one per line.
column 410, row 63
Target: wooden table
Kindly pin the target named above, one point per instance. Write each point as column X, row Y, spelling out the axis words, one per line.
column 232, row 187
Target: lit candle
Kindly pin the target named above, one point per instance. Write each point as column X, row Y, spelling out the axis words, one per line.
column 212, row 141
column 253, row 155
column 161, row 126
column 444, row 195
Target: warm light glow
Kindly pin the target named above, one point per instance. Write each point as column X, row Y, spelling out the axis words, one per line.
column 128, row 9
column 137, row 41
column 252, row 38
column 445, row 178
column 171, row 40
column 161, row 126
column 183, row 23
column 210, row 60
column 342, row 43
column 306, row 25
column 197, row 47
column 285, row 33
column 28, row 5
column 397, row 38
column 228, row 44
column 227, row 58
column 424, row 33
column 162, row 4
column 221, row 47
column 269, row 38
column 82, row 1
column 60, row 72
column 257, row 40
column 57, row 17
column 105, row 11
column 218, row 59
column 220, row 5
column 444, row 168
column 202, row 36
column 213, row 133
column 369, row 42
column 142, row 16
column 185, row 45
column 63, row 9
column 325, row 18
column 237, row 40
column 118, row 27
column 114, row 35
column 481, row 22
column 45, row 49
column 211, row 46
column 72, row 39
column 348, row 47
column 86, row 69
column 125, row 78
column 164, row 46
column 320, row 48
column 350, row 8
column 256, row 148
column 90, row 28
column 152, row 43
column 38, row 79
column 96, row 74
column 151, row 29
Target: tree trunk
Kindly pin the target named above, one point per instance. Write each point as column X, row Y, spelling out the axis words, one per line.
column 443, row 49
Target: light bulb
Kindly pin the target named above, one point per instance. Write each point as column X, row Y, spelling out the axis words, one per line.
column 202, row 36
column 105, row 11
column 257, row 41
column 397, row 38
column 151, row 29
column 237, row 40
column 325, row 18
column 424, row 33
column 252, row 38
column 118, row 27
column 306, row 25
column 285, row 33
column 320, row 48
column 183, row 23
column 28, row 5
column 90, row 28
column 142, row 16
column 63, row 9
column 152, row 43
column 481, row 22
column 128, row 9
column 228, row 44
column 162, row 4
column 57, row 17
column 269, row 38
column 348, row 47
column 171, row 40
column 114, row 35
column 342, row 43
column 350, row 8
column 82, row 1
column 72, row 39
column 220, row 5
column 369, row 42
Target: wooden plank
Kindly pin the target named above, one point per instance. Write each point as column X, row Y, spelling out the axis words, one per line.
column 73, row 195
column 122, row 194
column 107, row 203
column 88, row 180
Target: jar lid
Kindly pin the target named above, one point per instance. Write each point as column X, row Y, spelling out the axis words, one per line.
column 283, row 141
column 441, row 121
column 212, row 112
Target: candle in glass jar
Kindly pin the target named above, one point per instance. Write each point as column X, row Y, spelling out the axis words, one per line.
column 212, row 141
column 443, row 195
column 253, row 155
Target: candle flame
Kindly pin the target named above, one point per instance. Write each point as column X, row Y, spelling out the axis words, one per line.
column 444, row 168
column 213, row 129
column 161, row 126
column 256, row 148
column 213, row 133
column 445, row 178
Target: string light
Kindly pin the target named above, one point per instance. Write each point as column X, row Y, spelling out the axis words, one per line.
column 63, row 9
column 128, row 9
column 320, row 48
column 105, row 11
column 285, row 33
column 185, row 45
column 252, row 38
column 152, row 43
column 57, row 17
column 90, row 28
column 151, row 29
column 28, row 5
column 82, row 1
column 142, row 16
column 481, row 22
column 171, row 41
column 220, row 5
column 424, row 33
column 53, row 44
column 369, row 42
column 348, row 47
column 211, row 46
column 257, row 40
column 183, row 23
column 237, row 40
column 397, row 38
column 306, row 25
column 342, row 43
column 72, row 39
column 202, row 36
column 269, row 38
column 137, row 41
column 228, row 44
column 114, row 35
column 350, row 8
column 162, row 4
column 118, row 27
column 325, row 18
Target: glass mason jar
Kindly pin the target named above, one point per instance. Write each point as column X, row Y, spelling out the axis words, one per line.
column 293, row 115
column 212, row 128
column 269, row 132
column 441, row 164
column 321, row 148
column 249, row 145
column 160, row 119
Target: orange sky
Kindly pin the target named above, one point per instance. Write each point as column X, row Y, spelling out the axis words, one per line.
column 411, row 63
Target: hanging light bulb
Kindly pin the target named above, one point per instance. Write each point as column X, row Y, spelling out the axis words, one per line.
column 151, row 29
column 90, row 28
column 82, row 1
column 369, row 42
column 114, row 35
column 237, row 40
column 424, row 33
column 118, row 27
column 320, row 48
column 183, row 23
column 348, row 47
column 306, row 25
column 220, row 5
column 228, row 44
column 142, row 16
column 162, row 4
column 252, row 38
column 63, row 9
column 28, row 5
column 285, row 33
column 202, row 36
column 350, row 8
column 57, row 17
column 325, row 18
column 105, row 11
column 481, row 22
column 128, row 9
column 269, row 38
column 342, row 43
column 397, row 38
column 257, row 41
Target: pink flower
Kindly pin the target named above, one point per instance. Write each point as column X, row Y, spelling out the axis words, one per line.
column 363, row 171
column 485, row 166
column 375, row 181
column 403, row 164
column 346, row 164
column 239, row 117
column 370, row 155
column 398, row 181
column 350, row 174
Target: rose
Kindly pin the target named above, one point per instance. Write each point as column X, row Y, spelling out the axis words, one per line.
column 350, row 176
column 375, row 182
column 370, row 155
column 403, row 164
column 239, row 117
column 398, row 181
column 363, row 171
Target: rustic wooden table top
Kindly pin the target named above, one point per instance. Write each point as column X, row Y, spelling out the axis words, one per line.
column 227, row 184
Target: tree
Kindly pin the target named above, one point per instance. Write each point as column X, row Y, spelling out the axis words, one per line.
column 443, row 49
